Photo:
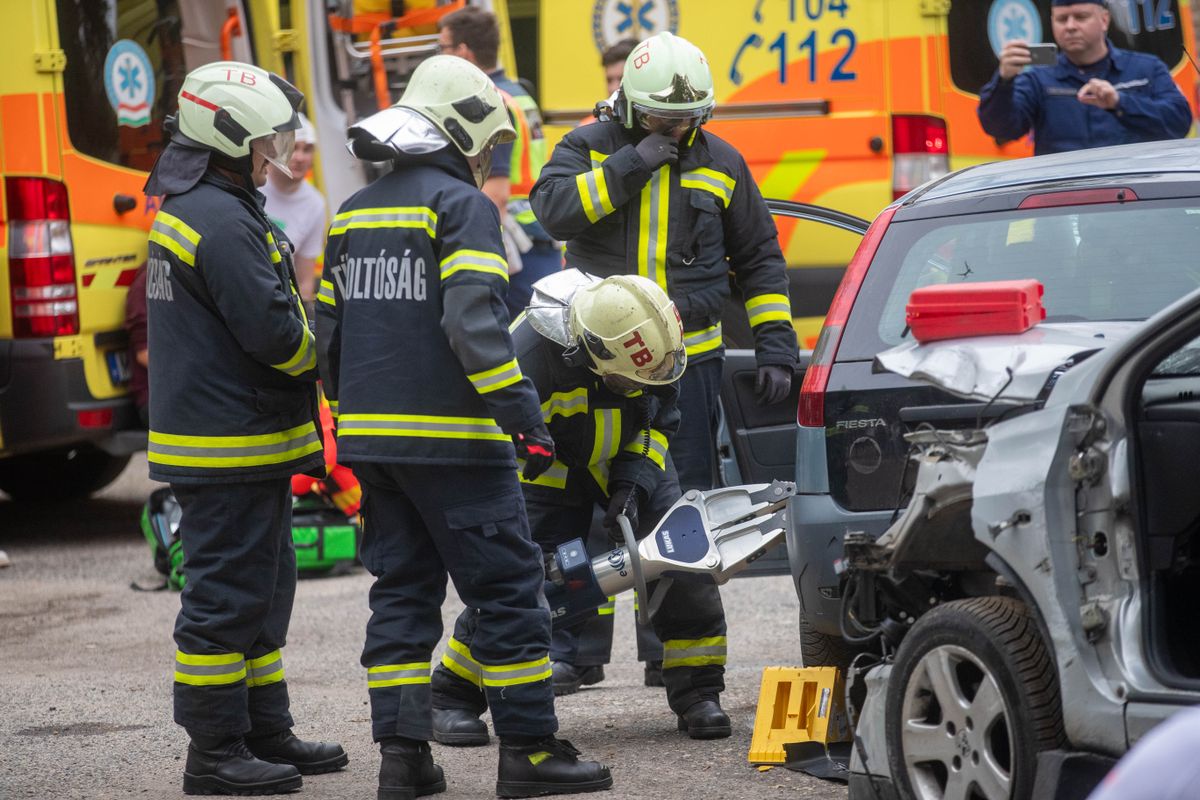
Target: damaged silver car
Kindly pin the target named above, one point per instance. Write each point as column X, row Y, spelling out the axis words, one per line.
column 1031, row 612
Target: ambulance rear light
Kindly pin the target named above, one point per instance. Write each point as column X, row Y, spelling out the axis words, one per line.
column 41, row 259
column 920, row 151
column 811, row 410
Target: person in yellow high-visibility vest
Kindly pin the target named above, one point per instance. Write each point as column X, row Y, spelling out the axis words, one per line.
column 473, row 34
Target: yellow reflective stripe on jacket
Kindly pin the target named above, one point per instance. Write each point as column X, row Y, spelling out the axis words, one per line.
column 555, row 477
column 593, row 194
column 709, row 180
column 214, row 670
column 768, row 308
column 565, row 404
column 458, row 660
column 394, row 217
column 176, row 235
column 326, row 294
column 652, row 227
column 273, row 248
column 233, row 451
column 607, row 440
column 304, row 359
column 703, row 340
column 398, row 674
column 658, row 447
column 333, row 408
column 265, row 669
column 609, row 608
column 513, row 674
column 599, row 473
column 473, row 261
column 517, row 320
column 694, row 652
column 420, row 426
column 496, row 378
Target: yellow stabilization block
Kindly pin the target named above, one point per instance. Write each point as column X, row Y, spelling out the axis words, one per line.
column 797, row 705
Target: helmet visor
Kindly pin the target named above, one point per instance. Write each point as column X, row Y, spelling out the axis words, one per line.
column 666, row 370
column 669, row 122
column 277, row 148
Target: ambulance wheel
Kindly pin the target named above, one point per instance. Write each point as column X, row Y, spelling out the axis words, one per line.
column 65, row 474
column 972, row 699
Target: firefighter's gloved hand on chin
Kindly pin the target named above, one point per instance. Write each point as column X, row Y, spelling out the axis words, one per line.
column 536, row 448
column 773, row 384
column 622, row 494
column 657, row 149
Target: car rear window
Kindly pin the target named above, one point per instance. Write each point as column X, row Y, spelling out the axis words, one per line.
column 977, row 30
column 1096, row 262
column 126, row 60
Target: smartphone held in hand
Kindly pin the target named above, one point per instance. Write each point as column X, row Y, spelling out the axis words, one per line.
column 1043, row 55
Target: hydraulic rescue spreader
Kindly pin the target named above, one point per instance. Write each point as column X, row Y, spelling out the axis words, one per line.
column 706, row 536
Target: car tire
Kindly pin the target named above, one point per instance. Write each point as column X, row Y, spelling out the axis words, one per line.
column 822, row 650
column 66, row 474
column 973, row 698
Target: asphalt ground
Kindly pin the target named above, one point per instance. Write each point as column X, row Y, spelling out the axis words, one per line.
column 86, row 665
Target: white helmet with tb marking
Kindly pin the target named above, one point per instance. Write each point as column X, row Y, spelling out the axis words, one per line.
column 630, row 330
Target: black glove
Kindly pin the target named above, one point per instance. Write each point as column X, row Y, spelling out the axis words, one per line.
column 537, row 448
column 657, row 149
column 773, row 384
column 622, row 494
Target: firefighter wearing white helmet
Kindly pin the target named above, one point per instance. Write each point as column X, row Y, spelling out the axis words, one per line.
column 433, row 411
column 651, row 192
column 631, row 332
column 605, row 357
column 233, row 415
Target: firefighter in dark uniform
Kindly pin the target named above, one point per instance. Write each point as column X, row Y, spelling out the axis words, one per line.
column 650, row 192
column 605, row 357
column 233, row 415
column 416, row 358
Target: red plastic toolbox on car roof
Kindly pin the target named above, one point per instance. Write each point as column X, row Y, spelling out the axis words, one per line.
column 974, row 309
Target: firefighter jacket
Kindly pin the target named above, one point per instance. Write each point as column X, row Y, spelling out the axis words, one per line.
column 685, row 226
column 233, row 375
column 412, row 331
column 612, row 437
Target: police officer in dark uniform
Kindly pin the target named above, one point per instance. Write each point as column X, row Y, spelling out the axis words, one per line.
column 604, row 356
column 1096, row 95
column 416, row 359
column 650, row 192
column 233, row 415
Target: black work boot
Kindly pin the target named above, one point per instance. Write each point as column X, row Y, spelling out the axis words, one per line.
column 705, row 720
column 311, row 758
column 224, row 765
column 547, row 766
column 653, row 676
column 407, row 770
column 458, row 727
column 567, row 678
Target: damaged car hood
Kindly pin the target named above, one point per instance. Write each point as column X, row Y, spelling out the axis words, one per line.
column 1012, row 367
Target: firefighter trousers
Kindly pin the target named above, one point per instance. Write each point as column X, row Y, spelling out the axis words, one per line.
column 422, row 522
column 235, row 607
column 694, row 446
column 690, row 620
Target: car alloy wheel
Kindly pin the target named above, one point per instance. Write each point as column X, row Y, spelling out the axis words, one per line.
column 972, row 699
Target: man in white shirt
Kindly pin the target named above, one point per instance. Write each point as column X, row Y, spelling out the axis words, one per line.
column 298, row 209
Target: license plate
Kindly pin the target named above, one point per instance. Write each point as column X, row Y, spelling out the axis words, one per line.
column 118, row 366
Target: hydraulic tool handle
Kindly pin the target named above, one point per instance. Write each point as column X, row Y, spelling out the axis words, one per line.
column 635, row 564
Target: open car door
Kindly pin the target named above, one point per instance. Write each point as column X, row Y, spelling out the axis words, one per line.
column 758, row 443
